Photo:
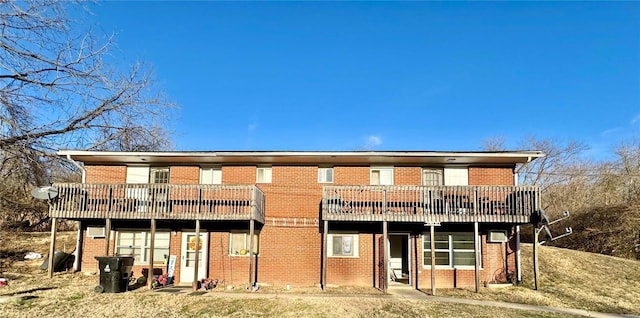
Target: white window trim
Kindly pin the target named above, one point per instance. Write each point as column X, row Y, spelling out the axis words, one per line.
column 265, row 168
column 355, row 242
column 387, row 168
column 322, row 175
column 451, row 251
column 144, row 247
column 245, row 244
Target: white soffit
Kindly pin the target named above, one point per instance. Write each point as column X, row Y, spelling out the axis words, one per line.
column 304, row 157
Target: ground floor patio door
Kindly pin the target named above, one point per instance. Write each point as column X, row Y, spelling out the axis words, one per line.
column 188, row 256
column 399, row 262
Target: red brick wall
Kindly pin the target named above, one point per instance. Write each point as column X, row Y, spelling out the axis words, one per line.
column 184, row 175
column 293, row 192
column 106, row 174
column 407, row 176
column 292, row 255
column 490, row 176
column 238, row 174
column 351, row 175
column 92, row 247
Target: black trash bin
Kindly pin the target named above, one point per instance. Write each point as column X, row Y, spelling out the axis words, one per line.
column 114, row 273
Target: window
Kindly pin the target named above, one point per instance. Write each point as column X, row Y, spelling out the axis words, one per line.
column 94, row 232
column 325, row 175
column 431, row 177
column 212, row 175
column 456, row 176
column 263, row 175
column 342, row 245
column 239, row 244
column 159, row 175
column 382, row 176
column 452, row 250
column 137, row 244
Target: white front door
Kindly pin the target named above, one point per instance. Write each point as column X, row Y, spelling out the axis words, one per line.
column 399, row 262
column 188, row 257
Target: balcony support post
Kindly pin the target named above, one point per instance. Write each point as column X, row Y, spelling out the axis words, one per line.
column 107, row 236
column 52, row 246
column 432, row 234
column 251, row 254
column 196, row 264
column 325, row 231
column 385, row 251
column 477, row 254
column 152, row 241
column 536, row 273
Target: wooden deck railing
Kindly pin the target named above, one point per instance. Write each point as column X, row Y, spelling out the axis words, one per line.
column 512, row 204
column 160, row 201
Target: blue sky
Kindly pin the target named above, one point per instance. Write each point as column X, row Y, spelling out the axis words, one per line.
column 387, row 75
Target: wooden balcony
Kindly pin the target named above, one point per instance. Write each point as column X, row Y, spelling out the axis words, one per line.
column 160, row 201
column 434, row 204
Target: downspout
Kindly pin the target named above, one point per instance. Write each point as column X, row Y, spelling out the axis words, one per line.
column 78, row 254
column 518, row 255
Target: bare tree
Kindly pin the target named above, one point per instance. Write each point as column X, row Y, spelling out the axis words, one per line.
column 60, row 88
column 554, row 167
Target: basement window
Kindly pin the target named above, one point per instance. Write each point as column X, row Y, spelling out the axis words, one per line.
column 342, row 245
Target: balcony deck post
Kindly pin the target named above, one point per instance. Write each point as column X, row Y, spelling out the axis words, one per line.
column 476, row 254
column 536, row 273
column 432, row 242
column 251, row 254
column 52, row 246
column 325, row 232
column 385, row 251
column 107, row 236
column 152, row 240
column 196, row 264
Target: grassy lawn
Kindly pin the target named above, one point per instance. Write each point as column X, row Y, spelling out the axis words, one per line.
column 568, row 279
column 571, row 279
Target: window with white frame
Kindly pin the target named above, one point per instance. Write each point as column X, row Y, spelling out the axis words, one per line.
column 325, row 175
column 263, row 175
column 382, row 176
column 342, row 245
column 137, row 244
column 432, row 177
column 210, row 175
column 455, row 250
column 159, row 175
column 239, row 243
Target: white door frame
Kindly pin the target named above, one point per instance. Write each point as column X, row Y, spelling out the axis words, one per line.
column 408, row 236
column 186, row 275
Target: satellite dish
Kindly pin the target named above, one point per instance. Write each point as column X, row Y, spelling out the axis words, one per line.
column 44, row 193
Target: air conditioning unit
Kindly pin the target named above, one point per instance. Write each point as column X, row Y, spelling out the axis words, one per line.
column 95, row 232
column 497, row 236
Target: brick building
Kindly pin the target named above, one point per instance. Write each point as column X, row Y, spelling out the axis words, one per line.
column 368, row 218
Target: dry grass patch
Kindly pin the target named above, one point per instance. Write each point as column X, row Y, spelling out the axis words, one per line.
column 572, row 279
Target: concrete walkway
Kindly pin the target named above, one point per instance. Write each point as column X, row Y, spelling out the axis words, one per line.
column 410, row 293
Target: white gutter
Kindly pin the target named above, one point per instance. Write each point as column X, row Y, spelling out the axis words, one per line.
column 84, row 174
column 77, row 254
